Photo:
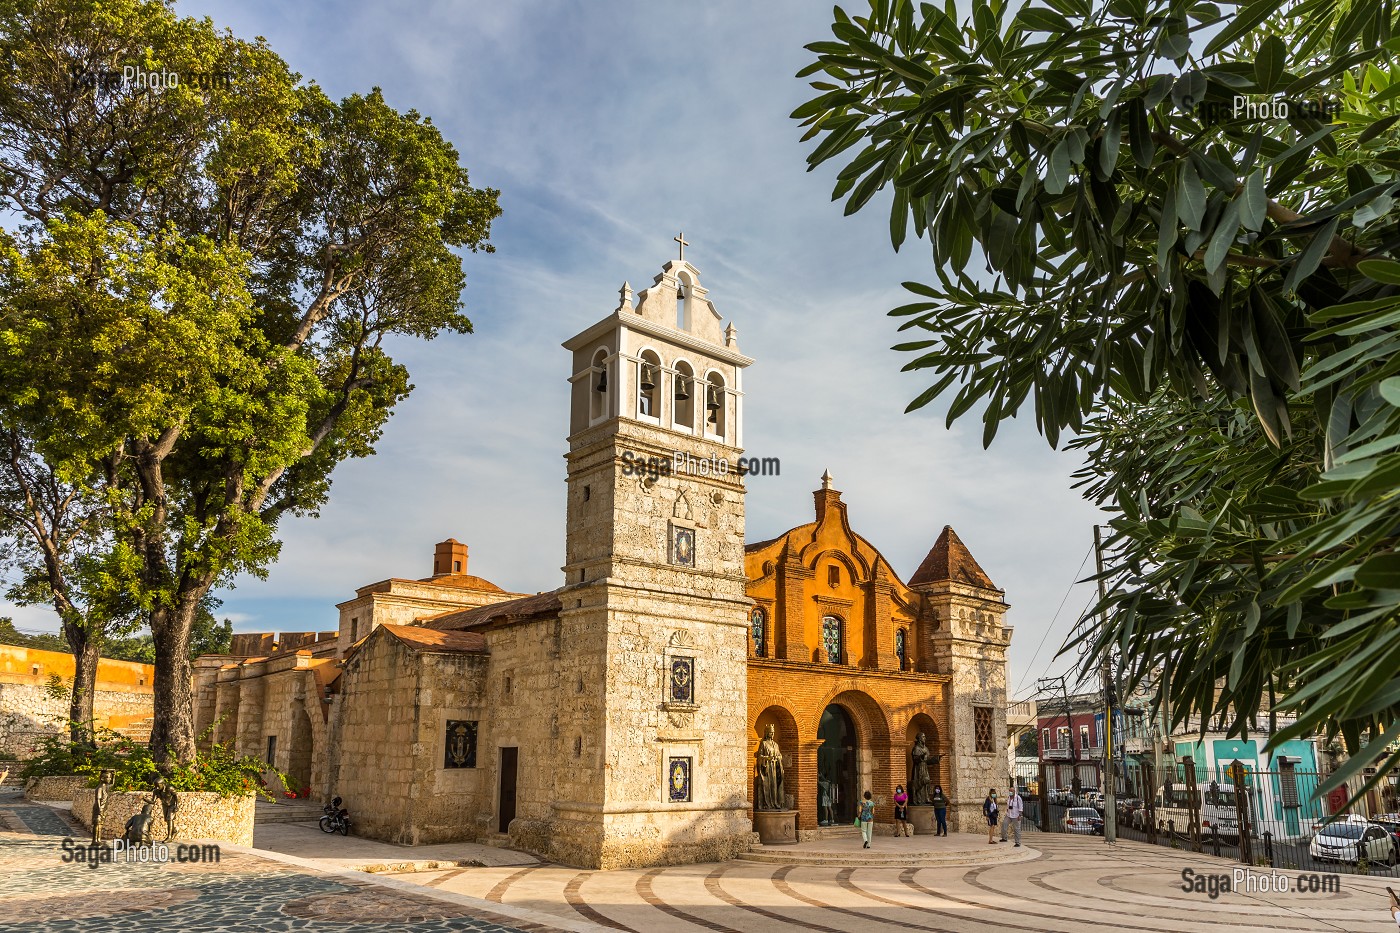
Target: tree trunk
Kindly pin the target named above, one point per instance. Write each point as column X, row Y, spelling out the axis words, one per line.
column 86, row 651
column 172, row 730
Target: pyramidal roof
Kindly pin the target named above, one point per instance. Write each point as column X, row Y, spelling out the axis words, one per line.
column 949, row 559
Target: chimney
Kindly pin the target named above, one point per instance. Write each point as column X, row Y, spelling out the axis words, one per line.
column 826, row 497
column 449, row 557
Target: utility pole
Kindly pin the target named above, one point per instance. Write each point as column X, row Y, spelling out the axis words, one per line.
column 1110, row 804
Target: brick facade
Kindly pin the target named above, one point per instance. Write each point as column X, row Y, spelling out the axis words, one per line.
column 824, row 571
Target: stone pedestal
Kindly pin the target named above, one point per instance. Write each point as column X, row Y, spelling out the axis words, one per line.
column 922, row 818
column 776, row 827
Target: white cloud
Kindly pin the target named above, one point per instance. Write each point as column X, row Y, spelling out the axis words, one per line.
column 608, row 127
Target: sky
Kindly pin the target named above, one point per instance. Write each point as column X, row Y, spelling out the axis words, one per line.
column 608, row 127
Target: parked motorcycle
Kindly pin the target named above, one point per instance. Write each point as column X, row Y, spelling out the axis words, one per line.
column 337, row 818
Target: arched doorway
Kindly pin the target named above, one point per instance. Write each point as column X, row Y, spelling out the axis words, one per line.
column 301, row 751
column 836, row 767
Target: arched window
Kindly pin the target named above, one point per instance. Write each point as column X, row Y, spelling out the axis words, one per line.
column 648, row 383
column 832, row 639
column 716, row 404
column 598, row 385
column 901, row 649
column 760, row 634
column 682, row 302
column 683, row 386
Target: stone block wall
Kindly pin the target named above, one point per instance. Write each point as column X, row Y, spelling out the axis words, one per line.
column 55, row 787
column 29, row 711
column 391, row 744
column 201, row 816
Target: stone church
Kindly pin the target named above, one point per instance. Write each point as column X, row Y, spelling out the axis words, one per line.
column 613, row 722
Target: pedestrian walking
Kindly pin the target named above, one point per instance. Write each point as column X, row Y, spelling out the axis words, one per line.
column 901, row 812
column 940, row 810
column 1015, row 809
column 867, row 818
column 989, row 810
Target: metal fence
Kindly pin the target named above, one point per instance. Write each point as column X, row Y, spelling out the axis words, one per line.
column 1272, row 818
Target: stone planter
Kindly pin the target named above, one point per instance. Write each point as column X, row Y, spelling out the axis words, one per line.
column 776, row 827
column 201, row 816
column 922, row 819
column 57, row 787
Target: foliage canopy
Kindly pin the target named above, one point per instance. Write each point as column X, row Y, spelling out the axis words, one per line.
column 1204, row 297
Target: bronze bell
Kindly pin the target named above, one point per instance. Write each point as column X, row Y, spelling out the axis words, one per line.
column 648, row 377
column 712, row 402
column 682, row 388
column 602, row 385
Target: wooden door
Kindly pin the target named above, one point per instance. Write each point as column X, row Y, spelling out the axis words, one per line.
column 509, row 761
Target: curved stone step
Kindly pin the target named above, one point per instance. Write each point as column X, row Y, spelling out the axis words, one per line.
column 775, row 855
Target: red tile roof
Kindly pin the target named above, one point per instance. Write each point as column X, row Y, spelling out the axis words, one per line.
column 949, row 559
column 421, row 639
column 524, row 607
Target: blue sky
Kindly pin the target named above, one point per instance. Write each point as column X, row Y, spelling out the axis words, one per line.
column 608, row 127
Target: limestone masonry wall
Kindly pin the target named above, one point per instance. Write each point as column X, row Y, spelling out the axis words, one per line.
column 55, row 787
column 201, row 816
column 29, row 710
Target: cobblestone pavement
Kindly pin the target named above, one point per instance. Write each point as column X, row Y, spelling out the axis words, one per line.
column 242, row 892
column 1074, row 884
column 1060, row 884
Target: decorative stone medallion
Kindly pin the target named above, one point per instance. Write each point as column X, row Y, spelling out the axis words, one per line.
column 369, row 907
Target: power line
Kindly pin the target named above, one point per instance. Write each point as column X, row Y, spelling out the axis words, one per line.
column 1063, row 600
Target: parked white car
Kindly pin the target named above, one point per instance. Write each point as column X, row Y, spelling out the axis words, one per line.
column 1347, row 841
column 1083, row 820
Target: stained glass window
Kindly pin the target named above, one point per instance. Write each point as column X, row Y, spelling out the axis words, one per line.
column 760, row 634
column 900, row 650
column 831, row 638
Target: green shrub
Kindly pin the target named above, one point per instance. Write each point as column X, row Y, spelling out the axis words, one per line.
column 219, row 770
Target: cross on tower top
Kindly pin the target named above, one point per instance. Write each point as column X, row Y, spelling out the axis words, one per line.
column 683, row 242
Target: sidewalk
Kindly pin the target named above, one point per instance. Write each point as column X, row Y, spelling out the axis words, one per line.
column 306, row 842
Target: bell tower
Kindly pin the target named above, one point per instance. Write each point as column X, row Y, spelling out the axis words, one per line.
column 654, row 621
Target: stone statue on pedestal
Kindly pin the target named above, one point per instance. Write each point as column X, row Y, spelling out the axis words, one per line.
column 919, row 784
column 770, row 774
column 99, row 802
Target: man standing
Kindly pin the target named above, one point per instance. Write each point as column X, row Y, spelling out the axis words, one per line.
column 1015, row 809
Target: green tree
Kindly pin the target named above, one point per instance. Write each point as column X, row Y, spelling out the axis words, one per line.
column 57, row 542
column 196, row 318
column 1205, row 300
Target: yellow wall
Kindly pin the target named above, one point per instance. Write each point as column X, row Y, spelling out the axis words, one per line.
column 18, row 666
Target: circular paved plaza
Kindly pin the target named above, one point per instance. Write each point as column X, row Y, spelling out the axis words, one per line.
column 1064, row 883
column 1053, row 884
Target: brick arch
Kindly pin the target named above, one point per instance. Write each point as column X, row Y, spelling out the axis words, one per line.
column 933, row 736
column 860, row 572
column 784, row 723
column 872, row 722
